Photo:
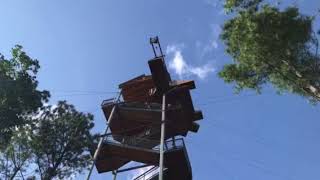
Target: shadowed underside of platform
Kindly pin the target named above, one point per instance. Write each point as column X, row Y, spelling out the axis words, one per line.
column 175, row 158
column 135, row 118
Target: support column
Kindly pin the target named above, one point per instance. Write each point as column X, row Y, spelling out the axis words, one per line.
column 163, row 118
column 96, row 153
column 174, row 141
column 114, row 174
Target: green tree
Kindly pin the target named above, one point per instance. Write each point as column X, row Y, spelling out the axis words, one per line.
column 274, row 46
column 239, row 5
column 19, row 96
column 56, row 140
column 16, row 156
column 61, row 141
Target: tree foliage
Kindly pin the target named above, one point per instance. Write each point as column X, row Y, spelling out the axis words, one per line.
column 60, row 141
column 275, row 46
column 49, row 142
column 19, row 95
column 238, row 5
column 16, row 156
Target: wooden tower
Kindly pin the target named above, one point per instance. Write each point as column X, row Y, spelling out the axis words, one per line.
column 147, row 124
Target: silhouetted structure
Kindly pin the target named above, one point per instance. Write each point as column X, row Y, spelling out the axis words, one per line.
column 144, row 125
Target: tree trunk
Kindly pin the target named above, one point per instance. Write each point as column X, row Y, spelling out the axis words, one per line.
column 14, row 173
column 313, row 90
column 309, row 88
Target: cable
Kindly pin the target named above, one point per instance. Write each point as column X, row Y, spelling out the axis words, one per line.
column 95, row 94
column 83, row 91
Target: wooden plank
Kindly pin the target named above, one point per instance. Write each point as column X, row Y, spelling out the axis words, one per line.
column 110, row 163
column 138, row 91
column 160, row 75
column 194, row 127
column 131, row 80
column 130, row 152
column 189, row 84
column 127, row 118
column 197, row 115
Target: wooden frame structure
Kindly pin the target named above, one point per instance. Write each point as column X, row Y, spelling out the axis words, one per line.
column 145, row 124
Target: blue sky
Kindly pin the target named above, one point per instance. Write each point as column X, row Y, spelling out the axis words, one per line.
column 86, row 48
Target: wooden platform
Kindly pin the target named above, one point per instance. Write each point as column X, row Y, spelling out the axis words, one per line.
column 136, row 118
column 175, row 160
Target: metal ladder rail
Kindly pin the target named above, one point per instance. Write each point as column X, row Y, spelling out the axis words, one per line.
column 143, row 176
column 102, row 138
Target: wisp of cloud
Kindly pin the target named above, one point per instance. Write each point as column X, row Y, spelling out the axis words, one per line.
column 182, row 69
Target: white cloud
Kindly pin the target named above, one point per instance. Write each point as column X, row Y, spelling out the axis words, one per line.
column 202, row 72
column 178, row 64
column 214, row 44
column 213, row 3
column 208, row 47
column 182, row 69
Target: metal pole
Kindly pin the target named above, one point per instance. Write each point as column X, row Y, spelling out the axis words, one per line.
column 114, row 175
column 96, row 153
column 160, row 47
column 162, row 136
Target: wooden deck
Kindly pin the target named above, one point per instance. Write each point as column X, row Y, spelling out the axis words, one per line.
column 175, row 160
column 135, row 118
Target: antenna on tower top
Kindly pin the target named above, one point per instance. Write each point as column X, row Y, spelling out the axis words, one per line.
column 156, row 47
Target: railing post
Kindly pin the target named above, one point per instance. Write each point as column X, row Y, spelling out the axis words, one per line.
column 174, row 141
column 114, row 175
column 163, row 118
column 96, row 153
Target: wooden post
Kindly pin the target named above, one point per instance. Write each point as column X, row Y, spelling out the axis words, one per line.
column 163, row 118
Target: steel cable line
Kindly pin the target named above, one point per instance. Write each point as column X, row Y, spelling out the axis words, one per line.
column 212, row 100
column 83, row 94
column 75, row 94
